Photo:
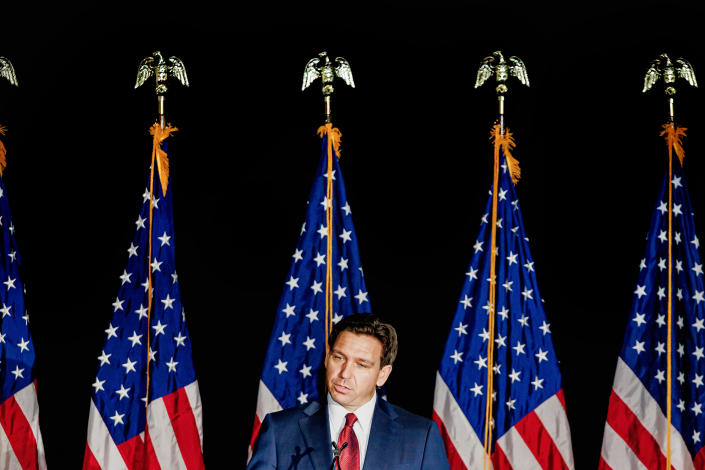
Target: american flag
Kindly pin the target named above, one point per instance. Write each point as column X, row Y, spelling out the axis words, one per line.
column 636, row 429
column 118, row 434
column 530, row 425
column 297, row 345
column 21, row 444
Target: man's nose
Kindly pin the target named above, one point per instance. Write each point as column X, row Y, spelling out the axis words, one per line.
column 346, row 370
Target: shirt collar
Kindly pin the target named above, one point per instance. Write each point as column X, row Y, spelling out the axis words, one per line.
column 364, row 413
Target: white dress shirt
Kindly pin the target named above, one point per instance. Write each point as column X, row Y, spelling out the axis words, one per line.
column 336, row 422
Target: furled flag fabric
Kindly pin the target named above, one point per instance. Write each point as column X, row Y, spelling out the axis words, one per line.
column 118, row 437
column 21, row 444
column 636, row 429
column 530, row 422
column 297, row 345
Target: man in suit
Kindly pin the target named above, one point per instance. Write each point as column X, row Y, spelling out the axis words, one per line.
column 367, row 431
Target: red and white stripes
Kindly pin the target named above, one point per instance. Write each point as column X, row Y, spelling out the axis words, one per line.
column 541, row 440
column 266, row 403
column 21, row 446
column 174, row 438
column 635, row 431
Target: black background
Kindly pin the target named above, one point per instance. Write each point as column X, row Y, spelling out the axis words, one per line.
column 416, row 159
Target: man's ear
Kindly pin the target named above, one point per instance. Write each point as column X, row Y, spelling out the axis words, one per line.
column 384, row 374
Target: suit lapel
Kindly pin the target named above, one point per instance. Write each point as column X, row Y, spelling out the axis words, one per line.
column 316, row 433
column 381, row 448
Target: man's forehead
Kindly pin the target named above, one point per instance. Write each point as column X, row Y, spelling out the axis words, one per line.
column 350, row 343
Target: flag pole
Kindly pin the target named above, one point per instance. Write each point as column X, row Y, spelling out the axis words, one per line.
column 322, row 67
column 663, row 67
column 497, row 66
column 156, row 66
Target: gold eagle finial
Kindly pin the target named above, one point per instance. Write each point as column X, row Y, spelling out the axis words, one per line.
column 496, row 65
column 327, row 71
column 162, row 70
column 664, row 67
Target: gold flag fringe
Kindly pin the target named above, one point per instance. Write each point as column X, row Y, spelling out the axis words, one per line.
column 162, row 161
column 673, row 135
column 3, row 150
column 506, row 142
column 162, row 158
column 334, row 135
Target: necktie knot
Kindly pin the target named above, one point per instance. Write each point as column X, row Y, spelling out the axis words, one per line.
column 350, row 420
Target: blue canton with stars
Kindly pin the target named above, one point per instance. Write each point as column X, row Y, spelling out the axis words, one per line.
column 644, row 349
column 297, row 346
column 525, row 369
column 119, row 389
column 16, row 348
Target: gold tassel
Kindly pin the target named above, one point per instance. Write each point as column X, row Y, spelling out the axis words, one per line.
column 162, row 158
column 334, row 135
column 506, row 142
column 673, row 135
column 3, row 150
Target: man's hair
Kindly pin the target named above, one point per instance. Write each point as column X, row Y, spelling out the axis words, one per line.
column 369, row 324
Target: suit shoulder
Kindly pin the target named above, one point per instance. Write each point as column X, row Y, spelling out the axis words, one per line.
column 293, row 414
column 410, row 419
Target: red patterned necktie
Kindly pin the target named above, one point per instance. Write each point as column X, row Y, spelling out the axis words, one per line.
column 350, row 456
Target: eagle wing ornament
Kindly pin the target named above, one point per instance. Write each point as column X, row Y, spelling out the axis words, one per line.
column 485, row 71
column 311, row 72
column 344, row 71
column 178, row 70
column 652, row 76
column 518, row 70
column 7, row 71
column 144, row 71
column 685, row 71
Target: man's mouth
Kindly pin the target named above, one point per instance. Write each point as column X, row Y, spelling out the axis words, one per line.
column 340, row 388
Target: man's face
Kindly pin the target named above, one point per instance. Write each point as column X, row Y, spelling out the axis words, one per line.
column 353, row 369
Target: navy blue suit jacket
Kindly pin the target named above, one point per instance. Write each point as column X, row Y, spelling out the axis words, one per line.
column 299, row 439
